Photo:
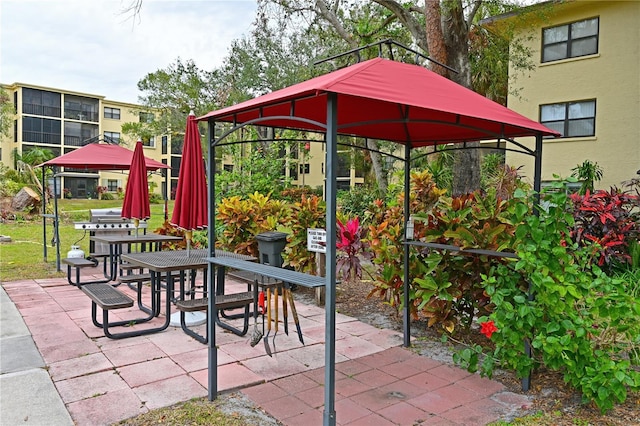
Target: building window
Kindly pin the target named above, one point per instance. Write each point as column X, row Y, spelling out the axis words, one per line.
column 150, row 141
column 175, row 166
column 81, row 108
column 570, row 40
column 571, row 119
column 40, row 102
column 304, row 168
column 176, row 144
column 112, row 113
column 112, row 137
column 77, row 134
column 112, row 185
column 41, row 130
column 165, row 142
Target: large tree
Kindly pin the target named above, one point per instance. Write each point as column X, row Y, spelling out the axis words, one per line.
column 289, row 34
column 173, row 92
column 441, row 28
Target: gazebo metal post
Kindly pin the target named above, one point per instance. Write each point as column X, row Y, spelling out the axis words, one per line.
column 167, row 191
column 329, row 414
column 212, row 370
column 406, row 311
column 537, row 171
column 56, row 233
column 537, row 186
column 44, row 213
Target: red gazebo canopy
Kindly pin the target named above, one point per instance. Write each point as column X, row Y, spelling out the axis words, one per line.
column 384, row 99
column 98, row 156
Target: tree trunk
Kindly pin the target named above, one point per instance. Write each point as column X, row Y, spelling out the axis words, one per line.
column 376, row 164
column 466, row 169
column 25, row 198
column 435, row 37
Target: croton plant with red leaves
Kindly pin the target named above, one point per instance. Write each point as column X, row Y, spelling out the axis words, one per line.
column 350, row 246
column 606, row 218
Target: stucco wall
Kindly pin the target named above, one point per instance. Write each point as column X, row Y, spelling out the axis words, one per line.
column 612, row 77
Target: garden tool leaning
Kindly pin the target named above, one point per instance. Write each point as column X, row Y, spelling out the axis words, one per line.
column 294, row 312
column 275, row 296
column 266, row 337
column 257, row 334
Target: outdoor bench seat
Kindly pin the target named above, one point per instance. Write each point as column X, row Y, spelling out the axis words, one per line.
column 78, row 263
column 97, row 255
column 129, row 267
column 224, row 301
column 134, row 278
column 138, row 278
column 109, row 298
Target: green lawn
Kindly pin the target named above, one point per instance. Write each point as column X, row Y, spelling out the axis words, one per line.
column 23, row 258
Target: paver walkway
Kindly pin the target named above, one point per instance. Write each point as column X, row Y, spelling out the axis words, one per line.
column 378, row 382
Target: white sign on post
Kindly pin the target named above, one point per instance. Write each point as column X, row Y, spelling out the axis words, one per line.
column 314, row 239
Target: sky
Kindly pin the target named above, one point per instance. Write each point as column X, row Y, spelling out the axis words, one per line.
column 91, row 46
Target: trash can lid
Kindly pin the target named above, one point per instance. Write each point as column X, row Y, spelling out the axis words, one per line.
column 271, row 236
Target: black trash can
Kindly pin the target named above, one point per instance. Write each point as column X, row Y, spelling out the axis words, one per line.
column 270, row 246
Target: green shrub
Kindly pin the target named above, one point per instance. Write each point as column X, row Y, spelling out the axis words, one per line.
column 295, row 193
column 154, row 198
column 450, row 292
column 107, row 196
column 385, row 240
column 243, row 219
column 356, row 201
column 309, row 212
column 576, row 319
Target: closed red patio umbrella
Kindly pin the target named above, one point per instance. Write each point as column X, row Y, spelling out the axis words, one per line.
column 136, row 196
column 191, row 204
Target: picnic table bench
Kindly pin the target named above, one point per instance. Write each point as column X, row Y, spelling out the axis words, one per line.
column 78, row 263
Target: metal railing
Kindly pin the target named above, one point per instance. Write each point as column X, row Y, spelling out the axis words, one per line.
column 41, row 137
column 36, row 109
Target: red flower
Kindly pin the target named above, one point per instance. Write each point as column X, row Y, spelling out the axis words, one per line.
column 488, row 328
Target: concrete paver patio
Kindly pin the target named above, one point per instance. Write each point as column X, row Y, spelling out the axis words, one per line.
column 378, row 382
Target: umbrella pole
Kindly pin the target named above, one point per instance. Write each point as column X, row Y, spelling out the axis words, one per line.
column 136, row 223
column 188, row 235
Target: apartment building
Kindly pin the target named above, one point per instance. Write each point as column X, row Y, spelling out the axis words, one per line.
column 64, row 120
column 586, row 84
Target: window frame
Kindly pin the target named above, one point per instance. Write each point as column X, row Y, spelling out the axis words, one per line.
column 149, row 142
column 112, row 113
column 110, row 135
column 567, row 120
column 110, row 183
column 570, row 41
